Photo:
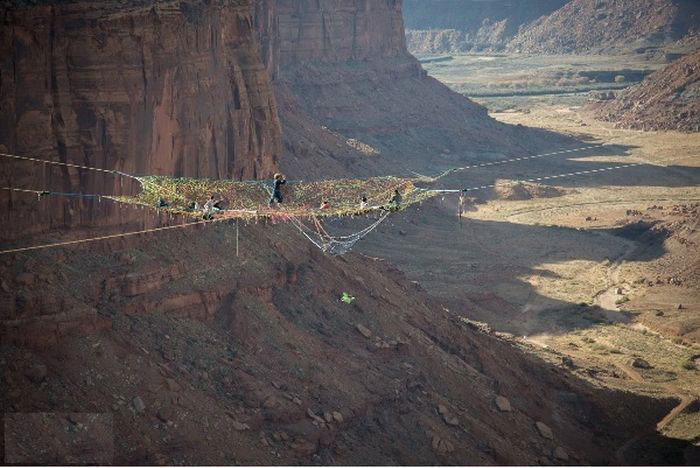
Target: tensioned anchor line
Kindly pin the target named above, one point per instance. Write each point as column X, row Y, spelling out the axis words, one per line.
column 111, row 236
column 41, row 193
column 506, row 161
column 76, row 166
column 534, row 179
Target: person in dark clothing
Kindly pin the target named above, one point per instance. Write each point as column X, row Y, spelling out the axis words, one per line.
column 277, row 190
column 395, row 201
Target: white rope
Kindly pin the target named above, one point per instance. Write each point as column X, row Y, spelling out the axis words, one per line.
column 534, row 179
column 335, row 245
column 506, row 161
column 112, row 236
column 76, row 166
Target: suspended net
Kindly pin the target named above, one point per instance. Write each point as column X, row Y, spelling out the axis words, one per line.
column 302, row 200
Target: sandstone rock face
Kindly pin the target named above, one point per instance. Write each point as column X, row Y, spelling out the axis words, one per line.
column 172, row 89
column 344, row 74
column 164, row 90
column 340, row 30
column 460, row 26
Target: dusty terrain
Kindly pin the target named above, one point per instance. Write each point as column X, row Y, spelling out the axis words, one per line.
column 594, row 278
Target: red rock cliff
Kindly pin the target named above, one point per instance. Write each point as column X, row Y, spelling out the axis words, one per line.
column 176, row 89
column 160, row 90
column 337, row 30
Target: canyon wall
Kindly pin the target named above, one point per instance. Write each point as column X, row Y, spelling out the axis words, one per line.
column 144, row 88
column 610, row 26
column 462, row 26
column 354, row 101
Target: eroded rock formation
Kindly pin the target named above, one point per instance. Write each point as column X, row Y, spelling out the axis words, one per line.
column 461, row 26
column 609, row 25
column 146, row 88
column 344, row 75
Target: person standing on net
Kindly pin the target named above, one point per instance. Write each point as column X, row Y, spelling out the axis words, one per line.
column 277, row 190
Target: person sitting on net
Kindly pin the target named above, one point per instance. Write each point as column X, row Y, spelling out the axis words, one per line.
column 210, row 208
column 279, row 181
column 363, row 203
column 325, row 205
column 395, row 201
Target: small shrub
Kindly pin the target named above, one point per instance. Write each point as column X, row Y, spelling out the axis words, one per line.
column 588, row 340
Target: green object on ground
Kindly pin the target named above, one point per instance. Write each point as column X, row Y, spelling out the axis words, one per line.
column 347, row 298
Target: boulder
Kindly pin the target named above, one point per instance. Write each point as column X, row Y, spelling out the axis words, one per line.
column 442, row 446
column 450, row 420
column 172, row 385
column 503, row 404
column 363, row 330
column 310, row 413
column 239, row 426
column 560, row 454
column 138, row 404
column 544, row 430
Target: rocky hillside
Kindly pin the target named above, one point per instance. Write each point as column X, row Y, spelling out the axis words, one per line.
column 584, row 26
column 354, row 101
column 181, row 351
column 668, row 99
column 461, row 26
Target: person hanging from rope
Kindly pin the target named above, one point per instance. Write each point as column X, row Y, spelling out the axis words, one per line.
column 462, row 202
column 279, row 180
